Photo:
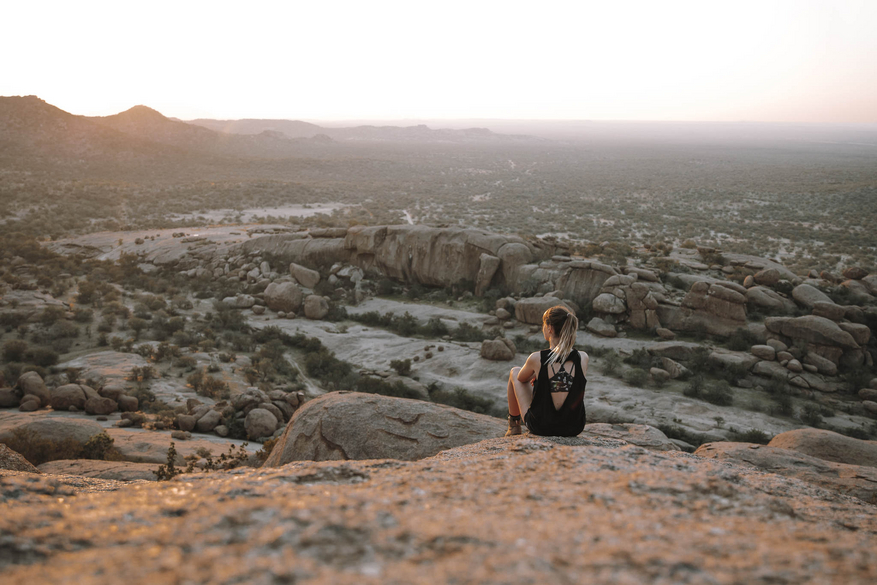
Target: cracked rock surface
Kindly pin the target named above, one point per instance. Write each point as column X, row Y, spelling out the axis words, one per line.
column 507, row 510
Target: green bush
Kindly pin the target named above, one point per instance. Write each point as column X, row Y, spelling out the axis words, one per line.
column 751, row 436
column 610, row 364
column 463, row 399
column 372, row 385
column 467, row 332
column 83, row 315
column 636, row 377
column 402, row 367
column 741, row 340
column 42, row 357
column 14, row 350
column 811, row 415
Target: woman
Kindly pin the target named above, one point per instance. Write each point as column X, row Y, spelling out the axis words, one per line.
column 548, row 393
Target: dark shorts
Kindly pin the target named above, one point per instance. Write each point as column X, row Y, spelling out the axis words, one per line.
column 552, row 430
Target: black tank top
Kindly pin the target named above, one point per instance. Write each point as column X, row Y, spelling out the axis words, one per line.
column 568, row 420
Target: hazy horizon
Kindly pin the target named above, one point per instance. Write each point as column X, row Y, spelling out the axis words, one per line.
column 781, row 61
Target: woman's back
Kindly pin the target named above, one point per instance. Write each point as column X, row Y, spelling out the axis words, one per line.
column 558, row 407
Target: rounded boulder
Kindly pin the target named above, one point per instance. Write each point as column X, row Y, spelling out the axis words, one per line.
column 260, row 423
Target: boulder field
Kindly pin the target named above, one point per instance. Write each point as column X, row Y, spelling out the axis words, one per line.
column 504, row 510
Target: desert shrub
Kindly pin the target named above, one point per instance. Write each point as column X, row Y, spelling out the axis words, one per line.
column 751, row 436
column 682, row 434
column 12, row 320
column 463, row 399
column 42, row 357
column 699, row 362
column 718, row 393
column 137, row 325
column 169, row 470
column 641, row 358
column 811, row 415
column 83, row 315
column 14, row 350
column 782, row 405
column 636, row 377
column 268, row 446
column 324, row 366
column 467, row 332
column 385, row 287
column 372, row 385
column 524, row 344
column 610, row 364
column 435, row 327
column 857, row 378
column 402, row 367
column 854, row 432
column 406, row 325
column 185, row 361
column 733, row 372
column 741, row 340
column 51, row 315
column 336, row 313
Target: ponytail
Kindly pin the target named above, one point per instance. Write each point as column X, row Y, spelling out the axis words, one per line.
column 565, row 325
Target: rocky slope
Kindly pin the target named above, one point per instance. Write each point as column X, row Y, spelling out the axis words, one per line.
column 518, row 510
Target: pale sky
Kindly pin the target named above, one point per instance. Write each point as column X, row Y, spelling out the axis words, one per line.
column 764, row 60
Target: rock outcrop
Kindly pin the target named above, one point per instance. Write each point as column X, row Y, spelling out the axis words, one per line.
column 117, row 470
column 586, row 509
column 853, row 480
column 12, row 461
column 351, row 425
column 641, row 435
column 828, row 445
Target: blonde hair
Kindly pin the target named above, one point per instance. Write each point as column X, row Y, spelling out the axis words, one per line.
column 565, row 324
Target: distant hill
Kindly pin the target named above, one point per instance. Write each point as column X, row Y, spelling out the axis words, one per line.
column 289, row 128
column 299, row 129
column 30, row 128
column 142, row 143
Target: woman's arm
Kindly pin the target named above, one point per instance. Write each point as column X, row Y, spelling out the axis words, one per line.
column 530, row 369
column 585, row 361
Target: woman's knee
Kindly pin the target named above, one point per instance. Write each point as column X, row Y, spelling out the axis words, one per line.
column 514, row 372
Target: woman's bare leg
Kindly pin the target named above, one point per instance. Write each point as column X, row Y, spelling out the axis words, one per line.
column 520, row 394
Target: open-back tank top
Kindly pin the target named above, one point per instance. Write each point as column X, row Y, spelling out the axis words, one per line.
column 568, row 420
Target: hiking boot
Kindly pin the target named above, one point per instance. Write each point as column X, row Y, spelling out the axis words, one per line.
column 514, row 426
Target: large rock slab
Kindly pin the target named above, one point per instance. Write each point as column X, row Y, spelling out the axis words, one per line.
column 12, row 461
column 117, row 470
column 808, row 296
column 588, row 509
column 352, row 425
column 581, row 281
column 765, row 299
column 829, row 446
column 642, row 435
column 486, row 270
column 305, row 276
column 853, row 480
column 54, row 430
column 812, row 329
